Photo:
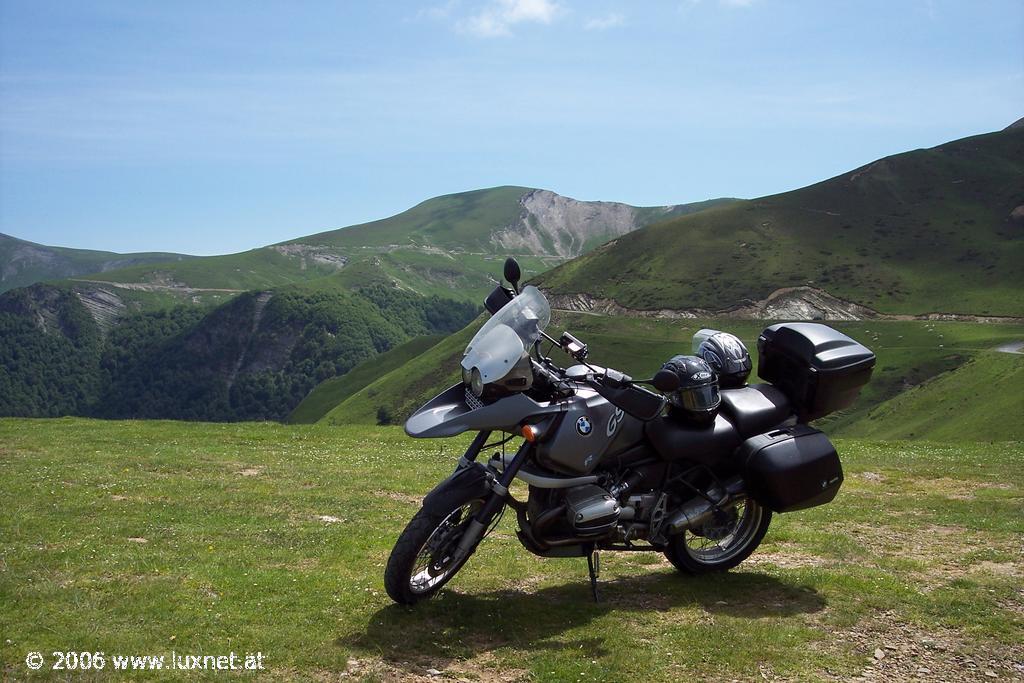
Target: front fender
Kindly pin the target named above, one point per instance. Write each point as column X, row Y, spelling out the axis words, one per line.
column 464, row 484
column 447, row 414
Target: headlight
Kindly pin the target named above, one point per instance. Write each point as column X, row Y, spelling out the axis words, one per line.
column 476, row 382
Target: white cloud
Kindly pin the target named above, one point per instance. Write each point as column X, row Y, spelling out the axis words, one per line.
column 603, row 23
column 499, row 16
column 737, row 3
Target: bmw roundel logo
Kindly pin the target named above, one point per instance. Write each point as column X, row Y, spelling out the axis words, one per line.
column 584, row 426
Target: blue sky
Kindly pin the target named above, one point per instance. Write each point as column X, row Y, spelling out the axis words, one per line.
column 210, row 127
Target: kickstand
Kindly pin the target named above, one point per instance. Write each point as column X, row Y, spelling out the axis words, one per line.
column 594, row 565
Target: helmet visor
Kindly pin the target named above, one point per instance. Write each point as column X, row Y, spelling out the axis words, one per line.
column 700, row 399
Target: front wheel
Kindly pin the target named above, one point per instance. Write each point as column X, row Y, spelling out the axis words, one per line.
column 423, row 559
column 722, row 542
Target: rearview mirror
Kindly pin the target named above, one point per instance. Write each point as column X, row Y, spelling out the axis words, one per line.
column 497, row 299
column 666, row 381
column 513, row 272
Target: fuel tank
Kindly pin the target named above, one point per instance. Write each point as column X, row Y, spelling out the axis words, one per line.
column 589, row 430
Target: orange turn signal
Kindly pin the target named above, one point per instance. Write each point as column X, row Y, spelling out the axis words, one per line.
column 530, row 433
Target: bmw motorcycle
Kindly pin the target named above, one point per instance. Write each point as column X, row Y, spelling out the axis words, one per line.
column 611, row 464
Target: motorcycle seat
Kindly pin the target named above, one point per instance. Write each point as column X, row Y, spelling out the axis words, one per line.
column 755, row 409
column 676, row 440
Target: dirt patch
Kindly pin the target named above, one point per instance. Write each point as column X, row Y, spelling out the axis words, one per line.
column 999, row 568
column 940, row 549
column 954, row 489
column 138, row 539
column 407, row 498
column 787, row 559
column 251, row 471
column 894, row 650
column 330, row 519
column 483, row 667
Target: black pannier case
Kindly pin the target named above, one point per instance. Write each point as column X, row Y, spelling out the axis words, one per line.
column 820, row 369
column 791, row 469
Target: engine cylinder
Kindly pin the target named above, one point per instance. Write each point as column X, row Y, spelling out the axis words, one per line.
column 591, row 510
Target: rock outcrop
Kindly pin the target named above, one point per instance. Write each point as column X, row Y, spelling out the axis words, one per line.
column 553, row 225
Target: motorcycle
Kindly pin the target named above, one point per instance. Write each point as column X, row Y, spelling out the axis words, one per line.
column 607, row 467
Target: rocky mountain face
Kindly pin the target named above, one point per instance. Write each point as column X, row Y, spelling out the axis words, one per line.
column 552, row 225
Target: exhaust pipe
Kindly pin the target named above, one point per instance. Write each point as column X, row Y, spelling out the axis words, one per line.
column 698, row 510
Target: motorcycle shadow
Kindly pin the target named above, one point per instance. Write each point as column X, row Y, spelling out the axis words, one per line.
column 455, row 626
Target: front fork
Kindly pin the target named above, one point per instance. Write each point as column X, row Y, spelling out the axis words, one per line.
column 495, row 501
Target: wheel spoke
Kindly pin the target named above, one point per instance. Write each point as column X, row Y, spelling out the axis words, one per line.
column 726, row 546
column 433, row 563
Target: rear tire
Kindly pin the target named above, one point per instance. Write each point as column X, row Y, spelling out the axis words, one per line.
column 420, row 563
column 693, row 553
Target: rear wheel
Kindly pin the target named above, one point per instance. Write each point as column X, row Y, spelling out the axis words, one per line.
column 722, row 542
column 423, row 559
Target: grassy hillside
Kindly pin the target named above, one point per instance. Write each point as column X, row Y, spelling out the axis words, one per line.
column 918, row 558
column 23, row 263
column 925, row 231
column 445, row 246
column 331, row 392
column 465, row 222
column 909, row 352
column 982, row 399
column 254, row 269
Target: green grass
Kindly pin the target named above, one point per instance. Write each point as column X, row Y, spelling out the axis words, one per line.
column 981, row 398
column 143, row 537
column 909, row 353
column 23, row 263
column 255, row 269
column 920, row 232
column 463, row 221
column 330, row 393
column 443, row 246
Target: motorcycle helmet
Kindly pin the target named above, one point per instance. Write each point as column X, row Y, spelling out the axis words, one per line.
column 697, row 398
column 728, row 357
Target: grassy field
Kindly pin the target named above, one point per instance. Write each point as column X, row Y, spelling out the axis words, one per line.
column 147, row 537
column 909, row 353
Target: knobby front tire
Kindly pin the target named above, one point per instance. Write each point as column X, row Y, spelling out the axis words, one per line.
column 421, row 562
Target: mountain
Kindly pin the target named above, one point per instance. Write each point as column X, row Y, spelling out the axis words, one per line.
column 24, row 263
column 445, row 246
column 937, row 230
column 247, row 336
column 252, row 358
